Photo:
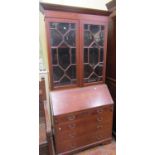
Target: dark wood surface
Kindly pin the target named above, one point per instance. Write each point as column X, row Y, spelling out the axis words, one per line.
column 111, row 60
column 112, row 88
column 56, row 7
column 77, row 99
column 111, row 50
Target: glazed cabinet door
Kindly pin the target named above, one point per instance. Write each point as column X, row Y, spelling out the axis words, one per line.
column 63, row 52
column 93, row 61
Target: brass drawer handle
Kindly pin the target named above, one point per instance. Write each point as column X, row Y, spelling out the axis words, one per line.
column 72, row 126
column 71, row 117
column 59, row 129
column 99, row 126
column 99, row 119
column 99, row 111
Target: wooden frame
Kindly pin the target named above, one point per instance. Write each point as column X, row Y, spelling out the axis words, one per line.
column 47, row 21
column 82, row 45
column 78, row 16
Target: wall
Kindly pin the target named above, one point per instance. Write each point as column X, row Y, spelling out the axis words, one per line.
column 42, row 41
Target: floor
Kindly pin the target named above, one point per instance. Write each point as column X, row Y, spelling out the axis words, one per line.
column 108, row 149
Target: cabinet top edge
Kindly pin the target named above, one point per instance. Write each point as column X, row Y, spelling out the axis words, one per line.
column 56, row 7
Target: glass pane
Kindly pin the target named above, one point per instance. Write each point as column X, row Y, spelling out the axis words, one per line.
column 100, row 38
column 94, row 45
column 93, row 78
column 86, row 26
column 63, row 45
column 93, row 54
column 87, row 70
column 101, row 54
column 88, row 38
column 53, row 25
column 63, row 27
column 70, row 38
column 64, row 57
column 71, row 72
column 73, row 60
column 63, row 38
column 57, row 73
column 54, row 56
column 72, row 26
column 65, row 80
column 98, row 70
column 94, row 28
column 85, row 55
column 56, row 38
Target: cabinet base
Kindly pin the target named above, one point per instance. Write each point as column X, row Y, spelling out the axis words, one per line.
column 105, row 141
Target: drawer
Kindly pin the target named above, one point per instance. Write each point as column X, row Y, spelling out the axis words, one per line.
column 68, row 145
column 105, row 111
column 71, row 117
column 89, row 129
column 81, row 123
column 101, row 135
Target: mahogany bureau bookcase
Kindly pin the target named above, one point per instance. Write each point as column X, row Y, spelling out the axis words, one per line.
column 81, row 105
